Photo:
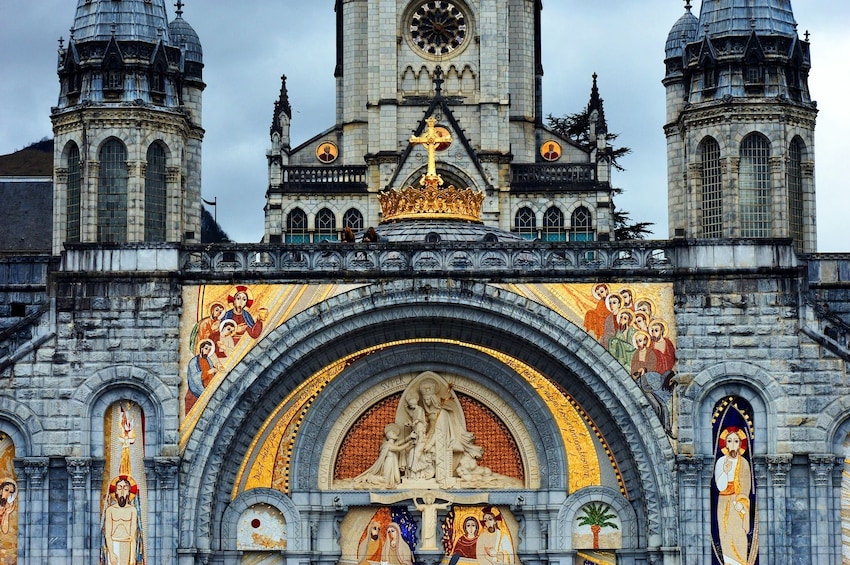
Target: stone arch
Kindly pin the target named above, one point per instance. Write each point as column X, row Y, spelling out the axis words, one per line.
column 452, row 175
column 103, row 139
column 22, row 425
column 515, row 406
column 624, row 510
column 485, row 314
column 97, row 393
column 274, row 498
column 833, row 425
column 734, row 379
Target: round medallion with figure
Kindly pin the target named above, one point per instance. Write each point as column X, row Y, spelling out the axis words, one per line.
column 443, row 133
column 550, row 150
column 327, row 152
column 438, row 28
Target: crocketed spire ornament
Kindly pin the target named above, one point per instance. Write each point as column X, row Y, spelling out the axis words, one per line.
column 430, row 200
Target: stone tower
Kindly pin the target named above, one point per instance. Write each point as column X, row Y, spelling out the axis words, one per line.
column 127, row 127
column 740, row 124
column 475, row 65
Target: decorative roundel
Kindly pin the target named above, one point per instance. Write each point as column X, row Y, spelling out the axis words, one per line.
column 327, row 152
column 550, row 150
column 438, row 27
column 442, row 131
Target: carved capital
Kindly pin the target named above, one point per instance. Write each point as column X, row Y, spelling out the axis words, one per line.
column 172, row 174
column 35, row 468
column 166, row 471
column 61, row 175
column 695, row 169
column 78, row 469
column 690, row 468
column 822, row 466
column 778, row 467
column 734, row 164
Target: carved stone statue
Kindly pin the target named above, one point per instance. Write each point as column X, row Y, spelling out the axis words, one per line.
column 434, row 449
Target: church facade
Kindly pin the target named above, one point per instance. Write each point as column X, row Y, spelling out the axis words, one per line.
column 487, row 376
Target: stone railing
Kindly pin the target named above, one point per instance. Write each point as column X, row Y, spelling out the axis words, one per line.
column 326, row 179
column 455, row 259
column 529, row 178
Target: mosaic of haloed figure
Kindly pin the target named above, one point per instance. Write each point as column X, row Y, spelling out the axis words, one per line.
column 124, row 490
column 733, row 490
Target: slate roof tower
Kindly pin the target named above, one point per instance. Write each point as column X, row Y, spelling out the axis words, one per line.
column 127, row 126
column 740, row 124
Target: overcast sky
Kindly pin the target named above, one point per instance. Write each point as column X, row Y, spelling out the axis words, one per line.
column 250, row 43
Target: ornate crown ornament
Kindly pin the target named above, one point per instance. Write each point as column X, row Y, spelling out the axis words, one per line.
column 431, row 201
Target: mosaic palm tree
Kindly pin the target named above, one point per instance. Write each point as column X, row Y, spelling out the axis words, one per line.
column 597, row 517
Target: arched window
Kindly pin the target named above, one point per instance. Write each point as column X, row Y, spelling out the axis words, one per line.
column 553, row 225
column 155, row 194
column 325, row 225
column 525, row 223
column 352, row 219
column 581, row 225
column 795, row 191
column 754, row 186
column 296, row 227
column 112, row 193
column 113, row 75
column 712, row 189
column 72, row 208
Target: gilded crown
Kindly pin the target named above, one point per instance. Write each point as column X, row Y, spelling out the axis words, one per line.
column 431, row 201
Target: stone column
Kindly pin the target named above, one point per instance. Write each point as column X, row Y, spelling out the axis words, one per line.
column 821, row 510
column 777, row 467
column 79, row 469
column 695, row 529
column 693, row 200
column 732, row 197
column 165, row 512
column 32, row 511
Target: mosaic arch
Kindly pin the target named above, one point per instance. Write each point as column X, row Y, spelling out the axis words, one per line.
column 220, row 324
column 266, row 462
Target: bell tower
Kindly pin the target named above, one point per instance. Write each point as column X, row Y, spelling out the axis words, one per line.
column 475, row 67
column 127, row 127
column 740, row 124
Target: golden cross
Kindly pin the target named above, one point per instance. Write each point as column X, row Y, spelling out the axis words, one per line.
column 431, row 140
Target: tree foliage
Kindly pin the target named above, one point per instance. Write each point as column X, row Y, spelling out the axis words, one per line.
column 211, row 232
column 576, row 127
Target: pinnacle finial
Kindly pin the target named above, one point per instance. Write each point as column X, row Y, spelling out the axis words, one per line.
column 438, row 80
column 688, row 5
column 179, row 5
column 61, row 43
column 807, row 35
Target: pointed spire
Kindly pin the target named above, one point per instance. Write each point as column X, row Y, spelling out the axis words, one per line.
column 281, row 107
column 596, row 105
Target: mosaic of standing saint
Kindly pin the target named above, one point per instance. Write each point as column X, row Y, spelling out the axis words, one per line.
column 428, row 445
column 735, row 538
column 123, row 512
